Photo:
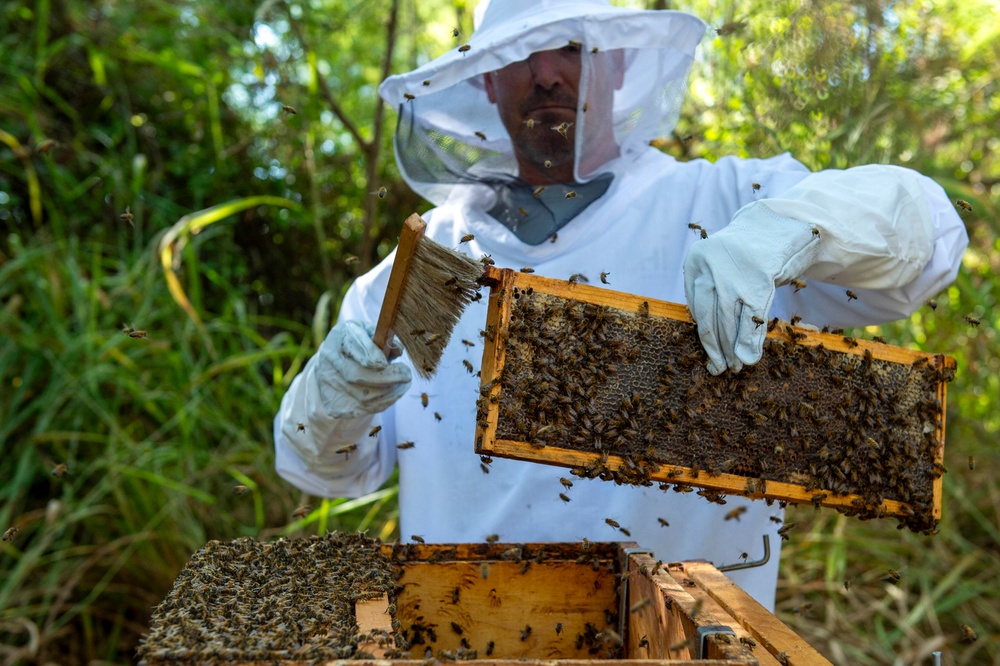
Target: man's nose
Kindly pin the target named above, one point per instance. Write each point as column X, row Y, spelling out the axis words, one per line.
column 546, row 69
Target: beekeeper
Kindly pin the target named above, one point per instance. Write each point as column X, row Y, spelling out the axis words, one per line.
column 535, row 138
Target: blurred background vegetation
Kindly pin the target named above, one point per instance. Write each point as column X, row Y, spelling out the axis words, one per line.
column 227, row 152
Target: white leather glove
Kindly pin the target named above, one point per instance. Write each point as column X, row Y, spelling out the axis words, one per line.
column 730, row 278
column 332, row 403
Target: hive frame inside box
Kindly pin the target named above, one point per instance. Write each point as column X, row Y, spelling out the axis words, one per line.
column 682, row 613
column 505, row 282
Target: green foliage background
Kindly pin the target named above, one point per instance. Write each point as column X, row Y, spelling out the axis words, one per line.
column 166, row 108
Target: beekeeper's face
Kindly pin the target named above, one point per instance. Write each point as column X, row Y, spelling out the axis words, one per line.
column 538, row 98
column 534, row 96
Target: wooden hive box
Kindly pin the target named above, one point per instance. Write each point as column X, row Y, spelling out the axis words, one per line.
column 506, row 604
column 614, row 386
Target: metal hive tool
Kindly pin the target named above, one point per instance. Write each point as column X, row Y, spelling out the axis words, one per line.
column 615, row 387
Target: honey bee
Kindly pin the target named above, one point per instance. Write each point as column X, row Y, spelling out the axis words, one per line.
column 381, row 192
column 892, row 576
column 455, row 32
column 850, row 342
column 932, row 304
column 523, row 212
column 45, row 145
column 463, row 48
column 127, row 216
column 427, row 82
column 489, row 648
column 624, row 531
column 424, row 399
column 456, row 627
column 60, row 469
column 612, row 523
column 302, row 511
column 735, row 513
column 968, row 634
column 775, row 519
column 564, row 497
column 468, row 366
column 680, row 645
column 484, row 571
column 417, row 538
column 548, row 164
column 467, row 343
column 782, row 658
column 604, row 277
column 584, row 107
column 240, row 490
column 538, row 191
column 757, row 320
column 755, row 186
column 578, row 277
column 563, row 129
column 437, row 416
column 555, row 237
column 704, row 234
column 351, row 260
column 571, row 194
column 784, row 530
column 964, row 205
column 972, row 463
column 639, row 605
column 484, row 468
column 798, row 284
column 481, row 135
column 9, row 534
column 749, row 642
column 644, row 308
column 529, row 123
column 744, row 556
column 374, row 431
column 973, row 320
column 348, row 449
column 405, row 445
column 409, row 97
column 288, row 109
column 526, row 632
column 815, row 231
column 851, row 296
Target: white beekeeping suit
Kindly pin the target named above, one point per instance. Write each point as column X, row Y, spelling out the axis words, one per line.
column 888, row 234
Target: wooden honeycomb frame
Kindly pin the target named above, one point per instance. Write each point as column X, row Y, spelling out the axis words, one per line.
column 507, row 286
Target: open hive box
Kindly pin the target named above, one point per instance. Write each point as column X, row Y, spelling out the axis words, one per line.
column 615, row 387
column 349, row 597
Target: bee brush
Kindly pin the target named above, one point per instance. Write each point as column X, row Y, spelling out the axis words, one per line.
column 429, row 287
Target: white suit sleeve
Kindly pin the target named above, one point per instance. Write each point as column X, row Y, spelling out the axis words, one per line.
column 888, row 233
column 313, row 457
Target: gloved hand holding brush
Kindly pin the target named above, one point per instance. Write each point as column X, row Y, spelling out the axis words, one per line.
column 332, row 403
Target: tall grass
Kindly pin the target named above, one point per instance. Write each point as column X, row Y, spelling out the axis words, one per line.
column 155, row 432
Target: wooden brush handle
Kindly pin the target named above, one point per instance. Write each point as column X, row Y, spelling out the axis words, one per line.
column 413, row 231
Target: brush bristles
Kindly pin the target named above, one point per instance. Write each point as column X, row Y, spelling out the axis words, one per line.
column 440, row 283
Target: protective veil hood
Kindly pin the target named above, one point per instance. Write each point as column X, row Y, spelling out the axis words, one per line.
column 449, row 133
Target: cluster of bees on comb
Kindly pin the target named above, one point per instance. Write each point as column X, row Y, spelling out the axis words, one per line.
column 644, row 397
column 291, row 599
